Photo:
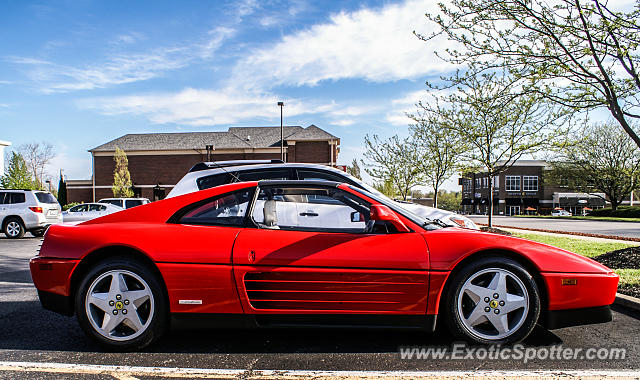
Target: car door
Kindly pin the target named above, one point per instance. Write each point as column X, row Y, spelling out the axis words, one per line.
column 75, row 214
column 327, row 268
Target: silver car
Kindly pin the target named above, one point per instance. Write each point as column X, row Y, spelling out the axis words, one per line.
column 210, row 174
column 88, row 211
column 125, row 202
column 27, row 210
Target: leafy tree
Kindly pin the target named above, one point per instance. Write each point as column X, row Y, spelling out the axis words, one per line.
column 354, row 169
column 439, row 148
column 17, row 175
column 393, row 160
column 449, row 200
column 602, row 159
column 121, row 176
column 37, row 156
column 578, row 53
column 62, row 190
column 498, row 123
column 387, row 188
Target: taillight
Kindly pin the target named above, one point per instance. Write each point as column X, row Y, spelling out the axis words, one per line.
column 36, row 209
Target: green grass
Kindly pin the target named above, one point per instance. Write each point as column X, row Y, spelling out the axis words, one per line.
column 629, row 277
column 583, row 247
column 601, row 218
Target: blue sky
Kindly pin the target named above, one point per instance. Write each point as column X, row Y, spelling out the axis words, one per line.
column 80, row 73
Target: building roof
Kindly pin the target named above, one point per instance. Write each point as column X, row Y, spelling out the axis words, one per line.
column 234, row 138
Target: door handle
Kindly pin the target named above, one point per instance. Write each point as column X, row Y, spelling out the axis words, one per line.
column 308, row 214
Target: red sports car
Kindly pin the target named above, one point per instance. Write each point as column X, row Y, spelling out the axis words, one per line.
column 302, row 253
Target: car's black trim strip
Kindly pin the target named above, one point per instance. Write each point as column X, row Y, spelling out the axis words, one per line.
column 301, row 266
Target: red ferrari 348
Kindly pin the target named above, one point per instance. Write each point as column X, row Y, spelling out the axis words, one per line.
column 307, row 253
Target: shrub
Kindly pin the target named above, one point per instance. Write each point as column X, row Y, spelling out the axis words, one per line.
column 69, row 205
column 621, row 212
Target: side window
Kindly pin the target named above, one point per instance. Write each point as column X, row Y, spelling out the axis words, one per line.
column 78, row 208
column 213, row 181
column 132, row 203
column 318, row 175
column 259, row 175
column 290, row 209
column 94, row 207
column 4, row 196
column 17, row 198
column 228, row 210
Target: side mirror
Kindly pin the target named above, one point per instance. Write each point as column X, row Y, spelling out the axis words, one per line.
column 385, row 214
column 357, row 217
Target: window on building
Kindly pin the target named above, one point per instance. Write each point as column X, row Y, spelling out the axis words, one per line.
column 512, row 182
column 478, row 182
column 485, row 182
column 530, row 183
column 496, row 182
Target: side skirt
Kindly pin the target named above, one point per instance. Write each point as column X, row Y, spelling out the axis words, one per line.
column 184, row 321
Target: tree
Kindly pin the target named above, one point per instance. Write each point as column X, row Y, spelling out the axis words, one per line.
column 499, row 123
column 17, row 175
column 577, row 53
column 393, row 160
column 121, row 176
column 439, row 148
column 62, row 190
column 450, row 201
column 602, row 159
column 354, row 169
column 37, row 157
column 387, row 188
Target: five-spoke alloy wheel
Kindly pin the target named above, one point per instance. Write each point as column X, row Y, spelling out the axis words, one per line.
column 493, row 300
column 121, row 304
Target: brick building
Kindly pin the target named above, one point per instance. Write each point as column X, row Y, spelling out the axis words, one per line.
column 157, row 161
column 521, row 190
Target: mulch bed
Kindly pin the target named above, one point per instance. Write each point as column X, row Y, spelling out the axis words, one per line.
column 566, row 232
column 495, row 231
column 627, row 258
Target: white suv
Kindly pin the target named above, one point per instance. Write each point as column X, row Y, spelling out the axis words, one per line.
column 210, row 174
column 27, row 210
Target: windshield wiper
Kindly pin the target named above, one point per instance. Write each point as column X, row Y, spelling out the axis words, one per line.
column 436, row 222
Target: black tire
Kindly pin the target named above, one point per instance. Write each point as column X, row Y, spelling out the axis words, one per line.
column 38, row 233
column 13, row 224
column 158, row 321
column 452, row 316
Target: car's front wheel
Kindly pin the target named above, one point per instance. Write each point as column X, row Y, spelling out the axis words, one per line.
column 120, row 303
column 493, row 300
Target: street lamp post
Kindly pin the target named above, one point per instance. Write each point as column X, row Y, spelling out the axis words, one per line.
column 281, row 105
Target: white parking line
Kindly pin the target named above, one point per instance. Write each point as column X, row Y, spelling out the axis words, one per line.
column 131, row 371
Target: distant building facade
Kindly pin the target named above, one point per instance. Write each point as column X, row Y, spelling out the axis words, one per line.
column 3, row 144
column 157, row 161
column 521, row 190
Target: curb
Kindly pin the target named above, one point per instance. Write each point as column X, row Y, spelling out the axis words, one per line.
column 566, row 232
column 628, row 302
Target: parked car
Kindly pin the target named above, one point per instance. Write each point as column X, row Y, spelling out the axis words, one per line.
column 27, row 210
column 88, row 211
column 560, row 213
column 125, row 202
column 209, row 174
column 232, row 256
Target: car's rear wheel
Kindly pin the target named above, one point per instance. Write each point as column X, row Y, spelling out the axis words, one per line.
column 120, row 303
column 13, row 228
column 493, row 300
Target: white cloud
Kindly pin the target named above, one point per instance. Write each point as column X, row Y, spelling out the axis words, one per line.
column 401, row 106
column 376, row 45
column 199, row 107
column 119, row 69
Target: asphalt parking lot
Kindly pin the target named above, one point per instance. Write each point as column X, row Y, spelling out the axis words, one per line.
column 624, row 229
column 30, row 334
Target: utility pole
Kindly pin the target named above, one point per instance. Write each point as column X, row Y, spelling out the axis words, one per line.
column 281, row 105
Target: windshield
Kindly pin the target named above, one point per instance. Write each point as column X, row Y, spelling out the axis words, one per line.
column 415, row 218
